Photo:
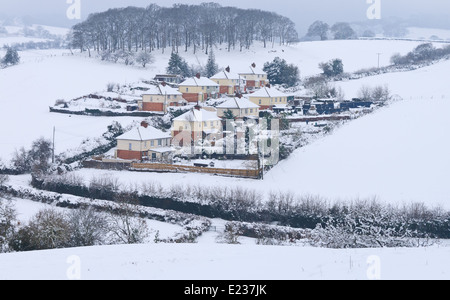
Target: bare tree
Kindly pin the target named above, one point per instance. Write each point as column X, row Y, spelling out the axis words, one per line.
column 319, row 29
column 144, row 58
column 87, row 228
column 125, row 224
column 365, row 93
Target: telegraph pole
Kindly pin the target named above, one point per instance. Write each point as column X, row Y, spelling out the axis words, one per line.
column 53, row 148
column 379, row 54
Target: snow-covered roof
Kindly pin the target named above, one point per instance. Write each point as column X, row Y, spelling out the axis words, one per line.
column 268, row 92
column 202, row 81
column 195, row 115
column 237, row 103
column 253, row 71
column 163, row 150
column 226, row 75
column 162, row 90
column 144, row 134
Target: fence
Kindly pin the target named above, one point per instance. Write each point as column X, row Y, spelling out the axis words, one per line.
column 96, row 164
column 245, row 173
column 319, row 118
column 428, row 97
column 168, row 168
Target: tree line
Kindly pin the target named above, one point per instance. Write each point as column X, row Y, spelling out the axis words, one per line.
column 181, row 27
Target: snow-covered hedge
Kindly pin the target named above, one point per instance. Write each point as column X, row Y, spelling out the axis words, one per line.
column 246, row 205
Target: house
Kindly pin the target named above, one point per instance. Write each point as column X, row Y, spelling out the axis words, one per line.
column 197, row 124
column 255, row 78
column 240, row 107
column 175, row 79
column 160, row 97
column 198, row 89
column 268, row 97
column 145, row 143
column 229, row 83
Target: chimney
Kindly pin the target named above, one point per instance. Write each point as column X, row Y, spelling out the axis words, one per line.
column 253, row 65
column 198, row 107
column 268, row 85
column 198, row 75
column 164, row 83
column 144, row 124
column 228, row 69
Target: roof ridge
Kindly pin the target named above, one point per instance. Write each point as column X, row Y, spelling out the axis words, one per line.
column 237, row 104
column 140, row 136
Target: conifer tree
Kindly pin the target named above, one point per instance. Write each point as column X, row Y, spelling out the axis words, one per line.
column 11, row 58
column 178, row 66
column 211, row 66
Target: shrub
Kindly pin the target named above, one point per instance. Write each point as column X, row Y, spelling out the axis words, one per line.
column 8, row 223
column 49, row 229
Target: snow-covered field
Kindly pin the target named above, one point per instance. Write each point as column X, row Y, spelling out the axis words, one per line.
column 27, row 91
column 226, row 262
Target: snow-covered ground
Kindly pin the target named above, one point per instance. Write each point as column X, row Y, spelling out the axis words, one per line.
column 226, row 262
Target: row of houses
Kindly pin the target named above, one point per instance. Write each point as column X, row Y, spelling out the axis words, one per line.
column 198, row 89
column 202, row 122
column 146, row 143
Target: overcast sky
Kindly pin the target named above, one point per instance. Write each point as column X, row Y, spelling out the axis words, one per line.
column 302, row 12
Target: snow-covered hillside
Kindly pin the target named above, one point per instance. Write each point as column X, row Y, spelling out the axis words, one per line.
column 398, row 154
column 205, row 261
column 45, row 76
column 27, row 91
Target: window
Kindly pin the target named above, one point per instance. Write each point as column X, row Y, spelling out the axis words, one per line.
column 168, row 97
column 205, row 124
column 251, row 110
column 260, row 101
column 187, row 90
column 130, row 146
column 145, row 144
column 212, row 124
column 246, row 111
column 153, row 143
column 159, row 142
